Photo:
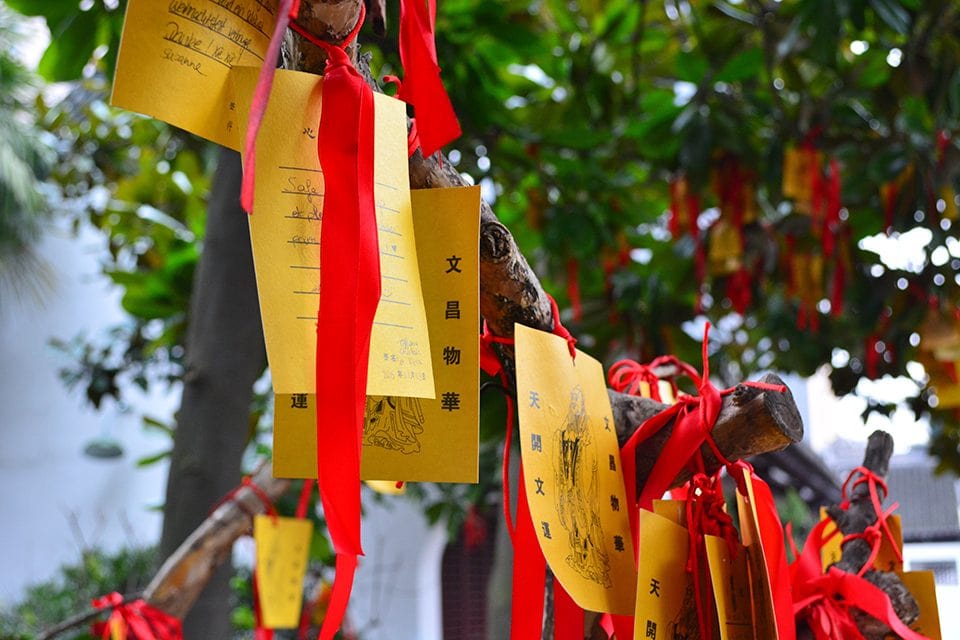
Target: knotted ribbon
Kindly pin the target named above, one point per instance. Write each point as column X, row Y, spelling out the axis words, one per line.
column 874, row 533
column 134, row 620
column 825, row 601
column 693, row 418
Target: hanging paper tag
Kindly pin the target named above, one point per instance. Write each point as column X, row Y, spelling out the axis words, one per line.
column 175, row 59
column 283, row 545
column 572, row 474
column 411, row 438
column 437, row 440
column 761, row 593
column 886, row 560
column 673, row 510
column 730, row 578
column 665, row 606
column 387, row 487
column 285, row 231
column 726, row 248
column 922, row 586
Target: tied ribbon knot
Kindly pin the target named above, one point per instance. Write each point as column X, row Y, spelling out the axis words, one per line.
column 693, row 418
column 826, row 601
column 135, row 620
column 872, row 534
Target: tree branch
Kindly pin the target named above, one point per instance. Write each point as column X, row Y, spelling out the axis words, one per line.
column 856, row 553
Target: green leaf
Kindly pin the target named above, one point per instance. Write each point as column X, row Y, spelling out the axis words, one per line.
column 742, row 66
column 691, row 67
column 146, row 461
column 893, row 14
column 71, row 46
column 53, row 10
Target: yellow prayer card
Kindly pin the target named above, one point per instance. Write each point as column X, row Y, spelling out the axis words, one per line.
column 572, row 474
column 923, row 588
column 175, row 59
column 730, row 578
column 411, row 438
column 285, row 231
column 665, row 604
column 283, row 546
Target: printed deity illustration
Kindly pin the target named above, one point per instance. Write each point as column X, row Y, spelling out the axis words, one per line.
column 685, row 625
column 576, row 475
column 393, row 423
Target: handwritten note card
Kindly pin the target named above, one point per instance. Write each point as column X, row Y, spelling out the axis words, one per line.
column 285, row 230
column 283, row 545
column 175, row 59
column 572, row 472
column 411, row 438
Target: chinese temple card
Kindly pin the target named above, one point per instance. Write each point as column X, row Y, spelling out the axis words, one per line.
column 283, row 545
column 923, row 588
column 411, row 438
column 285, row 230
column 437, row 440
column 665, row 600
column 886, row 559
column 572, row 474
column 730, row 578
column 175, row 59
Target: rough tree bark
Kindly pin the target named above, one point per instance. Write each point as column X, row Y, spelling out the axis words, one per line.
column 225, row 356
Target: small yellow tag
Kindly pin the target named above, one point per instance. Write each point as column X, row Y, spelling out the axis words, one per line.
column 572, row 474
column 923, row 588
column 175, row 59
column 283, row 546
column 730, row 577
column 387, row 487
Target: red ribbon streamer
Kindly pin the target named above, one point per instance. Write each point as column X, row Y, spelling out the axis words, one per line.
column 141, row 621
column 350, row 279
column 286, row 11
column 422, row 86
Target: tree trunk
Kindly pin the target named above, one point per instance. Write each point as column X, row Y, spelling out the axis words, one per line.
column 225, row 356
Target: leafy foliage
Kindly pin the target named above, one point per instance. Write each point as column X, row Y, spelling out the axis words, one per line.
column 24, row 161
column 52, row 602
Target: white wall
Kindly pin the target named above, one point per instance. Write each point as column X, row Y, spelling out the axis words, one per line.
column 56, row 499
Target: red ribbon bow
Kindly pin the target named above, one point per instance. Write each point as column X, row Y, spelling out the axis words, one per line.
column 136, row 620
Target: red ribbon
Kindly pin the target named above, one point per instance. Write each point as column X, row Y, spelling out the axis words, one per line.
column 872, row 534
column 350, row 279
column 529, row 565
column 824, row 601
column 286, row 11
column 422, row 86
column 139, row 619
